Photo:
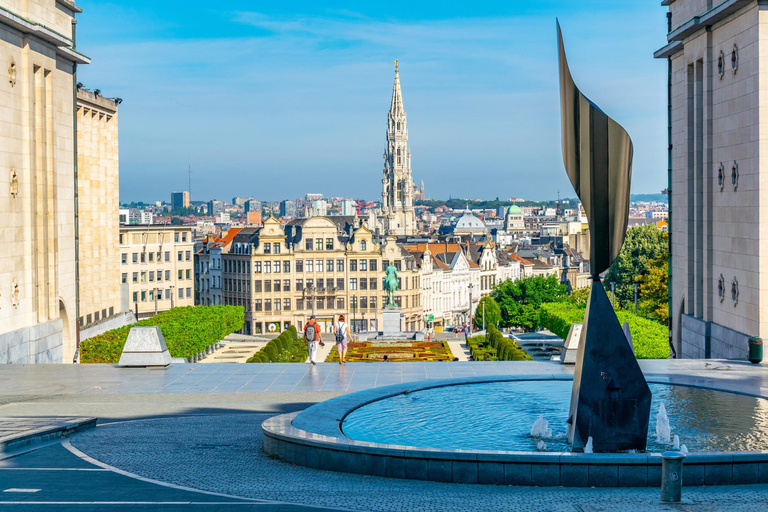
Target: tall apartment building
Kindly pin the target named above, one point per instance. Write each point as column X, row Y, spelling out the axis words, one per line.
column 718, row 226
column 288, row 208
column 215, row 207
column 179, row 200
column 322, row 265
column 103, row 300
column 157, row 264
column 252, row 205
column 38, row 310
column 240, row 201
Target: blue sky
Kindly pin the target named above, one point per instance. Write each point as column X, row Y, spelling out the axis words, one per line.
column 276, row 99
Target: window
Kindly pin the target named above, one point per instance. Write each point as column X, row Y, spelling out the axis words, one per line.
column 286, row 266
column 399, row 301
column 267, row 248
column 277, row 304
column 143, row 296
column 167, row 255
column 353, row 265
column 299, row 265
column 363, row 302
column 176, row 237
column 159, row 275
column 167, row 275
column 353, row 284
column 257, row 305
column 308, row 244
column 398, row 265
column 267, row 304
column 319, row 265
column 135, row 277
column 135, row 296
column 384, row 264
column 181, row 293
column 299, row 303
column 320, row 304
column 329, row 244
column 124, row 258
column 267, row 267
column 125, row 278
column 257, row 267
column 189, row 292
column 339, row 265
column 168, row 294
column 257, row 286
column 151, row 257
column 276, row 267
column 329, row 302
column 363, row 265
column 143, row 257
column 340, row 283
column 144, row 277
column 286, row 285
column 353, row 302
column 340, row 303
column 363, row 245
column 287, row 304
column 151, row 276
column 374, row 283
column 320, row 284
column 318, row 244
column 151, row 295
column 373, row 302
column 310, row 284
column 268, row 285
column 135, row 257
column 276, row 248
column 363, row 283
column 181, row 275
column 183, row 237
column 329, row 265
column 310, row 265
column 187, row 256
column 299, row 285
column 277, row 285
column 180, row 255
column 159, row 256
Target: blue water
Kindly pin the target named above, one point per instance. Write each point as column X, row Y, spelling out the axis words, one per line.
column 499, row 416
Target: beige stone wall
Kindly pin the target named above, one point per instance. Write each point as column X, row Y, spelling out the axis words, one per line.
column 98, row 203
column 37, row 264
column 140, row 267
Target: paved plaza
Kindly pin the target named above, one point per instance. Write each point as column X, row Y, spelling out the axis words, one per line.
column 165, row 434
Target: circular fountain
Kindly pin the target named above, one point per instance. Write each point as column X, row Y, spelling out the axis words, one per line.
column 511, row 430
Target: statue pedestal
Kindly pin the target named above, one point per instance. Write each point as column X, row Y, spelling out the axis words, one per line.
column 390, row 325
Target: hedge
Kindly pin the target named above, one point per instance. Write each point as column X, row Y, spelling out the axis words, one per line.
column 650, row 339
column 187, row 330
column 286, row 348
column 494, row 346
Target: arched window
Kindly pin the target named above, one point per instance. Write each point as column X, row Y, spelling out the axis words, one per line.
column 362, row 245
column 398, row 151
column 398, row 125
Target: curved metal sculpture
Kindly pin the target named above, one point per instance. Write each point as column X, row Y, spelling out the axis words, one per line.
column 610, row 401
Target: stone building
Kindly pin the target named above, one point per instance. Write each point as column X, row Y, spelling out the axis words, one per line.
column 102, row 304
column 718, row 227
column 179, row 200
column 38, row 311
column 325, row 266
column 397, row 215
column 157, row 263
column 208, row 266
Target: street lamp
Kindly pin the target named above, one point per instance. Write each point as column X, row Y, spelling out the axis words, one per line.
column 470, row 306
column 354, row 312
column 172, row 296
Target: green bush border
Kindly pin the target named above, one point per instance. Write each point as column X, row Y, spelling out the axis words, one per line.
column 494, row 346
column 285, row 348
column 187, row 330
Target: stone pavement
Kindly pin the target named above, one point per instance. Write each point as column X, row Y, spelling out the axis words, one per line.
column 22, row 432
column 459, row 349
column 234, row 352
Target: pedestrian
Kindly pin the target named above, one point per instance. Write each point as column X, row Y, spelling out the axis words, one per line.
column 342, row 339
column 311, row 337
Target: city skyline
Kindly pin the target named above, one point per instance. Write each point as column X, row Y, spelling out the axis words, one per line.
column 255, row 94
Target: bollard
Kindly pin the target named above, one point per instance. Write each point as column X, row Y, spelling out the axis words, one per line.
column 671, row 476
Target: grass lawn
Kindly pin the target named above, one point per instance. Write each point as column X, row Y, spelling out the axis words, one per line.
column 374, row 351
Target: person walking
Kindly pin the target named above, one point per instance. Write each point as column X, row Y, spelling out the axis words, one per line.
column 342, row 339
column 311, row 337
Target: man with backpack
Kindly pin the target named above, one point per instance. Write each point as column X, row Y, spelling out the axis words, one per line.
column 311, row 337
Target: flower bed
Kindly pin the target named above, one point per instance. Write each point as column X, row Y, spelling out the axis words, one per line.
column 399, row 351
column 187, row 331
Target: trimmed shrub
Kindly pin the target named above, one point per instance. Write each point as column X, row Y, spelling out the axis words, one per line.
column 187, row 330
column 294, row 332
column 650, row 339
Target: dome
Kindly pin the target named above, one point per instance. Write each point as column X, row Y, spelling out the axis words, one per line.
column 514, row 210
column 468, row 223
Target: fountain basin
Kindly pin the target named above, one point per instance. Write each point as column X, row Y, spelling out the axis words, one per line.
column 315, row 438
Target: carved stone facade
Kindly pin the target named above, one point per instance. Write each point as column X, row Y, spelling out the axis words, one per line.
column 397, row 216
column 37, row 182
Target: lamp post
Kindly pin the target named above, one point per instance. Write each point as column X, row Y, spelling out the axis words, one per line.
column 470, row 306
column 156, row 300
column 365, row 328
column 354, row 312
column 172, row 296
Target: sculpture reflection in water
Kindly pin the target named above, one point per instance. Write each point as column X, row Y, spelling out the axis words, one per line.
column 610, row 401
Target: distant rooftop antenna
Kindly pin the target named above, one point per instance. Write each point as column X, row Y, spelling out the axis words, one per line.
column 190, row 182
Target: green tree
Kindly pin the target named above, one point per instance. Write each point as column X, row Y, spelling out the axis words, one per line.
column 519, row 300
column 177, row 221
column 654, row 289
column 492, row 312
column 643, row 245
column 580, row 296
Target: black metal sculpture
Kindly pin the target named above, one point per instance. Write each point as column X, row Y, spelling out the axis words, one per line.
column 610, row 401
